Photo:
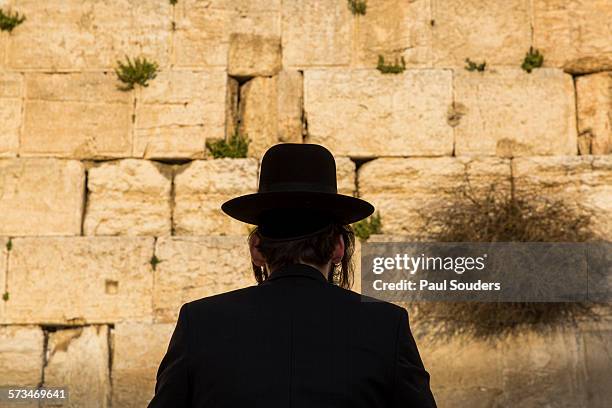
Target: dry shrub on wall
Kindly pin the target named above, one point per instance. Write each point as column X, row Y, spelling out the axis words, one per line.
column 493, row 216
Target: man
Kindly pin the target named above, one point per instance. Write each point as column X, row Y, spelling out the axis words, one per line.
column 299, row 338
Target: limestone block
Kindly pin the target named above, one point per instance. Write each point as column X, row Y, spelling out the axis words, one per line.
column 345, row 175
column 137, row 351
column 77, row 34
column 41, row 196
column 176, row 113
column 79, row 279
column 128, row 197
column 200, row 189
column 405, row 191
column 598, row 362
column 253, row 55
column 196, row 267
column 363, row 113
column 498, row 32
column 78, row 358
column 316, row 33
column 510, row 113
column 574, row 34
column 594, row 104
column 81, row 115
column 584, row 182
column 21, row 355
column 11, row 106
column 203, row 28
column 393, row 28
column 271, row 111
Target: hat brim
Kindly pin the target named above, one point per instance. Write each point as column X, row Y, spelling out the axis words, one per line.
column 343, row 208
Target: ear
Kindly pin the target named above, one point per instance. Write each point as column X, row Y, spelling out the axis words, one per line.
column 256, row 256
column 338, row 253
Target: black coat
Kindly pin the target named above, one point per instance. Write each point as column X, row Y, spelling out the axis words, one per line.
column 294, row 341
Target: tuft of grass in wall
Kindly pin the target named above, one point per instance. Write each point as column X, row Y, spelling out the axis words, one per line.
column 236, row 147
column 155, row 261
column 5, row 296
column 135, row 72
column 502, row 217
column 173, row 2
column 474, row 66
column 357, row 7
column 8, row 20
column 367, row 227
column 397, row 67
column 9, row 244
column 533, row 59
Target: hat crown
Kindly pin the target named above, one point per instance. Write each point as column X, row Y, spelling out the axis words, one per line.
column 298, row 167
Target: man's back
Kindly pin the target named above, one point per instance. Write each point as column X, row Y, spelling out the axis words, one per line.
column 293, row 341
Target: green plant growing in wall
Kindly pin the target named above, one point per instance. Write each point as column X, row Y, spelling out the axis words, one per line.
column 397, row 67
column 370, row 226
column 155, row 261
column 533, row 59
column 9, row 244
column 173, row 2
column 357, row 7
column 5, row 296
column 474, row 66
column 8, row 20
column 135, row 72
column 236, row 147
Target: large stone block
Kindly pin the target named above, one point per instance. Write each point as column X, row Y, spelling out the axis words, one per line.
column 178, row 111
column 77, row 34
column 138, row 349
column 405, row 191
column 316, row 33
column 41, row 196
column 594, row 104
column 253, row 55
column 78, row 358
column 498, row 32
column 129, row 197
column 11, row 106
column 21, row 355
column 509, row 113
column 80, row 115
column 195, row 267
column 393, row 28
column 583, row 182
column 271, row 111
column 364, row 113
column 345, row 175
column 79, row 280
column 574, row 34
column 200, row 189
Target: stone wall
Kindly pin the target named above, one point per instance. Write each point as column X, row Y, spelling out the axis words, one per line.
column 109, row 201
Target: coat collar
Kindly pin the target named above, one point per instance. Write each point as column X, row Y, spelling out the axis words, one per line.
column 297, row 269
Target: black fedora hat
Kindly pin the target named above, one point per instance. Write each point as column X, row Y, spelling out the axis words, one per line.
column 297, row 184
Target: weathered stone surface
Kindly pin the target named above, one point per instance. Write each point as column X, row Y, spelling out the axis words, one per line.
column 365, row 113
column 594, row 103
column 404, row 191
column 200, row 189
column 187, row 273
column 253, row 55
column 11, row 105
column 89, row 34
column 584, row 182
column 137, row 351
column 3, row 264
column 393, row 28
column 231, row 106
column 598, row 360
column 316, row 33
column 499, row 32
column 178, row 111
column 41, row 196
column 345, row 175
column 79, row 279
column 79, row 359
column 21, row 355
column 81, row 115
column 203, row 29
column 499, row 113
column 271, row 111
column 128, row 197
column 574, row 34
